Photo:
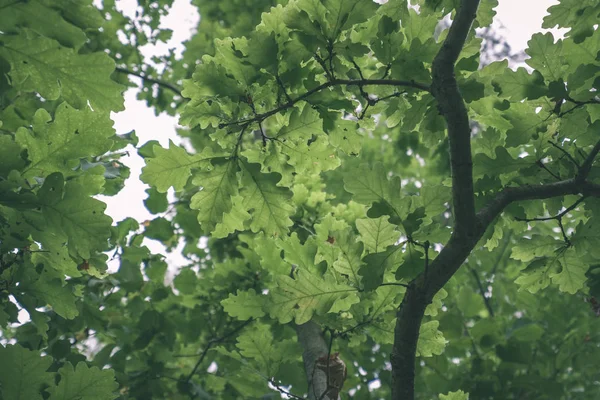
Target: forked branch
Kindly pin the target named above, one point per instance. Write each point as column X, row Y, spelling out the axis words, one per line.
column 259, row 117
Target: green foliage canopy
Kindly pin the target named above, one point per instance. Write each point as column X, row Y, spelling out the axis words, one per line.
column 360, row 188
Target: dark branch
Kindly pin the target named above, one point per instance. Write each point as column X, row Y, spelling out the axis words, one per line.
column 566, row 153
column 469, row 225
column 286, row 392
column 482, row 291
column 328, row 84
column 586, row 167
column 558, row 216
column 145, row 78
column 419, row 294
column 540, row 164
column 211, row 343
column 452, row 107
column 394, row 284
column 283, row 89
column 534, row 192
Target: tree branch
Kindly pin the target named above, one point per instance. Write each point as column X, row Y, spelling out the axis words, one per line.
column 534, row 192
column 145, row 78
column 211, row 343
column 419, row 294
column 586, row 167
column 469, row 226
column 333, row 82
column 452, row 107
column 482, row 291
column 557, row 216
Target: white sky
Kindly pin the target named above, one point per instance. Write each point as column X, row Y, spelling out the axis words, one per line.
column 520, row 18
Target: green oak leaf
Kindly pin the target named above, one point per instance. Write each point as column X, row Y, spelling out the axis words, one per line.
column 53, row 293
column 520, row 84
column 84, row 383
column 343, row 14
column 23, row 373
column 431, row 340
column 538, row 246
column 458, row 395
column 234, row 220
column 369, row 185
column 579, row 15
column 572, row 274
column 413, row 262
column 536, row 275
column 76, row 215
column 41, row 64
column 302, row 255
column 348, row 261
column 171, row 167
column 57, row 145
column 302, row 125
column 10, row 155
column 436, row 303
column 269, row 204
column 244, row 305
column 298, row 299
column 504, row 163
column 257, row 344
column 48, row 20
column 186, row 281
column 213, row 200
column 546, row 56
column 377, row 264
column 311, row 156
column 377, row 233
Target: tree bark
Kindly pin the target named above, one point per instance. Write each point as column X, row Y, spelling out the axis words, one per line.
column 313, row 346
column 465, row 230
column 469, row 225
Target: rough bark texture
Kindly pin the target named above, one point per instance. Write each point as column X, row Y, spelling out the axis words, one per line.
column 469, row 225
column 313, row 346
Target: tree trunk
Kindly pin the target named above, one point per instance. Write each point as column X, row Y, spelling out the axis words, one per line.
column 466, row 229
column 313, row 346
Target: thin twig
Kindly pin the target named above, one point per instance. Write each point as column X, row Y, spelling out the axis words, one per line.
column 263, row 136
column 287, row 96
column 387, row 71
column 355, row 327
column 145, row 78
column 566, row 153
column 211, row 343
column 557, row 216
column 486, row 300
column 330, row 58
column 564, row 234
column 558, row 219
column 501, row 253
column 239, row 141
column 324, row 66
column 334, row 82
column 540, row 164
column 426, row 248
column 395, row 284
column 286, row 392
column 586, row 167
